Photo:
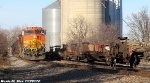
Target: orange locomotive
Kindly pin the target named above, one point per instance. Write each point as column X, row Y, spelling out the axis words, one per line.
column 32, row 42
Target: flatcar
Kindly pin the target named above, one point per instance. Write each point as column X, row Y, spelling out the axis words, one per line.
column 99, row 52
column 88, row 51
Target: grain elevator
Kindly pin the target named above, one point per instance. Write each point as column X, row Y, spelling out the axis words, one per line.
column 57, row 17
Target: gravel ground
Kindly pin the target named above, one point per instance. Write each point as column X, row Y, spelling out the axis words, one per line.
column 16, row 62
column 130, row 79
column 73, row 72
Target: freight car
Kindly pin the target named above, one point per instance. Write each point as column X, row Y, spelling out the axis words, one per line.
column 98, row 52
column 85, row 51
column 31, row 42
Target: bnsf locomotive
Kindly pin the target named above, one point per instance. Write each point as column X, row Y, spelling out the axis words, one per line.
column 32, row 43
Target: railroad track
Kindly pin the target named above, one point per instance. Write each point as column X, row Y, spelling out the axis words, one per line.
column 96, row 65
column 84, row 63
column 61, row 71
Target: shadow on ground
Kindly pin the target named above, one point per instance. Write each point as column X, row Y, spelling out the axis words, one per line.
column 86, row 75
column 77, row 73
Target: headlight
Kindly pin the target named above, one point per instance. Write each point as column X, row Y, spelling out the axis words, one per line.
column 34, row 36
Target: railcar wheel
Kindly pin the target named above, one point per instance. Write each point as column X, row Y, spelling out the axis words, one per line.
column 78, row 58
column 68, row 58
column 91, row 61
column 107, row 61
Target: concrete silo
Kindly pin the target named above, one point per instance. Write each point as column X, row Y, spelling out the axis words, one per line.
column 115, row 12
column 51, row 20
column 92, row 10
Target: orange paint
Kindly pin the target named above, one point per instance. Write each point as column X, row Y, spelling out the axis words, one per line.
column 33, row 37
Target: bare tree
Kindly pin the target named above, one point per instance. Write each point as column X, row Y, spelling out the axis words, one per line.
column 82, row 31
column 139, row 25
column 8, row 38
column 3, row 41
column 12, row 35
column 79, row 29
column 109, row 33
column 104, row 34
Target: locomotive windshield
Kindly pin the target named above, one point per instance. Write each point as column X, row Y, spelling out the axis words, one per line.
column 39, row 32
column 28, row 31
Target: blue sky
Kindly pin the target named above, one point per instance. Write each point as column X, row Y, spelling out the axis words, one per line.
column 29, row 12
column 132, row 6
column 22, row 12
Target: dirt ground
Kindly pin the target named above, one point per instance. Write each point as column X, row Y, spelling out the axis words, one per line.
column 4, row 62
column 70, row 72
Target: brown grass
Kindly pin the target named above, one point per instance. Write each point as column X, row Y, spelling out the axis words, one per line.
column 4, row 61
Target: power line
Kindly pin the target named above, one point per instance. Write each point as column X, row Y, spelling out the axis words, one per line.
column 126, row 23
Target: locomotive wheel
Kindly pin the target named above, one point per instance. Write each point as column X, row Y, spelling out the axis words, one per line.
column 68, row 58
column 91, row 61
column 108, row 62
